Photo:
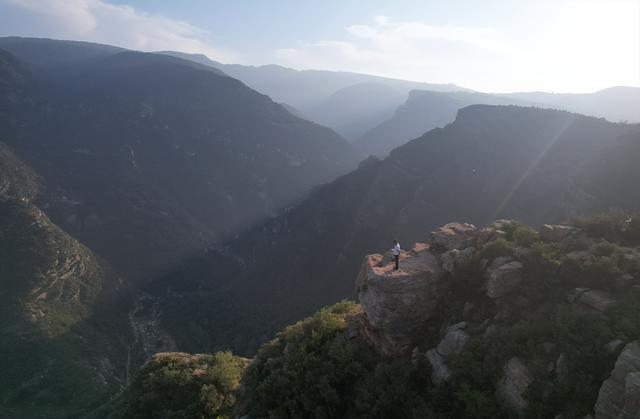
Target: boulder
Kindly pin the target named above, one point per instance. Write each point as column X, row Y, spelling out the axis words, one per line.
column 453, row 236
column 503, row 276
column 397, row 304
column 595, row 299
column 457, row 326
column 440, row 372
column 453, row 342
column 554, row 233
column 513, row 384
column 619, row 396
column 451, row 259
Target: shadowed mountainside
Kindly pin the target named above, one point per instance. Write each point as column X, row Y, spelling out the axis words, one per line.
column 523, row 163
column 153, row 156
column 66, row 344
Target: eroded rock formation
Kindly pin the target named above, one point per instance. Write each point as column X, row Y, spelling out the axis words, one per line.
column 397, row 303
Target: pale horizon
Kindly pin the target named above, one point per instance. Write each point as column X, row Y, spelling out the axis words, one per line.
column 569, row 46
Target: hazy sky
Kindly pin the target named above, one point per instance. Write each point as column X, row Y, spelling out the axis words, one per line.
column 498, row 46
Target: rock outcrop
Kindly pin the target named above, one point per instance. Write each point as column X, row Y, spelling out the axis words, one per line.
column 619, row 396
column 405, row 310
column 398, row 303
column 453, row 236
column 503, row 276
column 452, row 344
column 451, row 259
column 440, row 372
column 453, row 341
column 513, row 384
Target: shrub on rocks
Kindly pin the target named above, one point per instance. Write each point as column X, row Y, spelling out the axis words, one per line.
column 525, row 236
column 497, row 248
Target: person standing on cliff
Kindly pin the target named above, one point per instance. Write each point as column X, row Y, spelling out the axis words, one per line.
column 395, row 251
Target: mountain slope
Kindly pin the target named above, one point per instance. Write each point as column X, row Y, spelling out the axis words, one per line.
column 64, row 337
column 492, row 162
column 353, row 110
column 423, row 111
column 153, row 156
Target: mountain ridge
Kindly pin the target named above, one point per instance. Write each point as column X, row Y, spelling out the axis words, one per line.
column 494, row 161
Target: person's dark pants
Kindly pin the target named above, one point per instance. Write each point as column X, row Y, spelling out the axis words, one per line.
column 396, row 259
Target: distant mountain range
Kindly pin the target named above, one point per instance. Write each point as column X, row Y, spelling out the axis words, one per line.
column 381, row 111
column 350, row 103
column 422, row 112
column 621, row 103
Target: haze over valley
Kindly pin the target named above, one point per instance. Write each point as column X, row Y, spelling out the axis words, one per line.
column 199, row 221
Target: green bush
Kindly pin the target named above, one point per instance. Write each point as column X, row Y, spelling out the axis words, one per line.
column 313, row 370
column 309, row 370
column 603, row 271
column 605, row 225
column 510, row 227
column 496, row 248
column 525, row 236
column 179, row 385
column 605, row 249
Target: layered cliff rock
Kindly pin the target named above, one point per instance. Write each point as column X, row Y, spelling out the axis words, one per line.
column 399, row 302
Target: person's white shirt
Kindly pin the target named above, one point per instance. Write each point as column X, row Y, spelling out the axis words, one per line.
column 396, row 250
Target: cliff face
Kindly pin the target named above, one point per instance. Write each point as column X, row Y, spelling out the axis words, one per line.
column 551, row 310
